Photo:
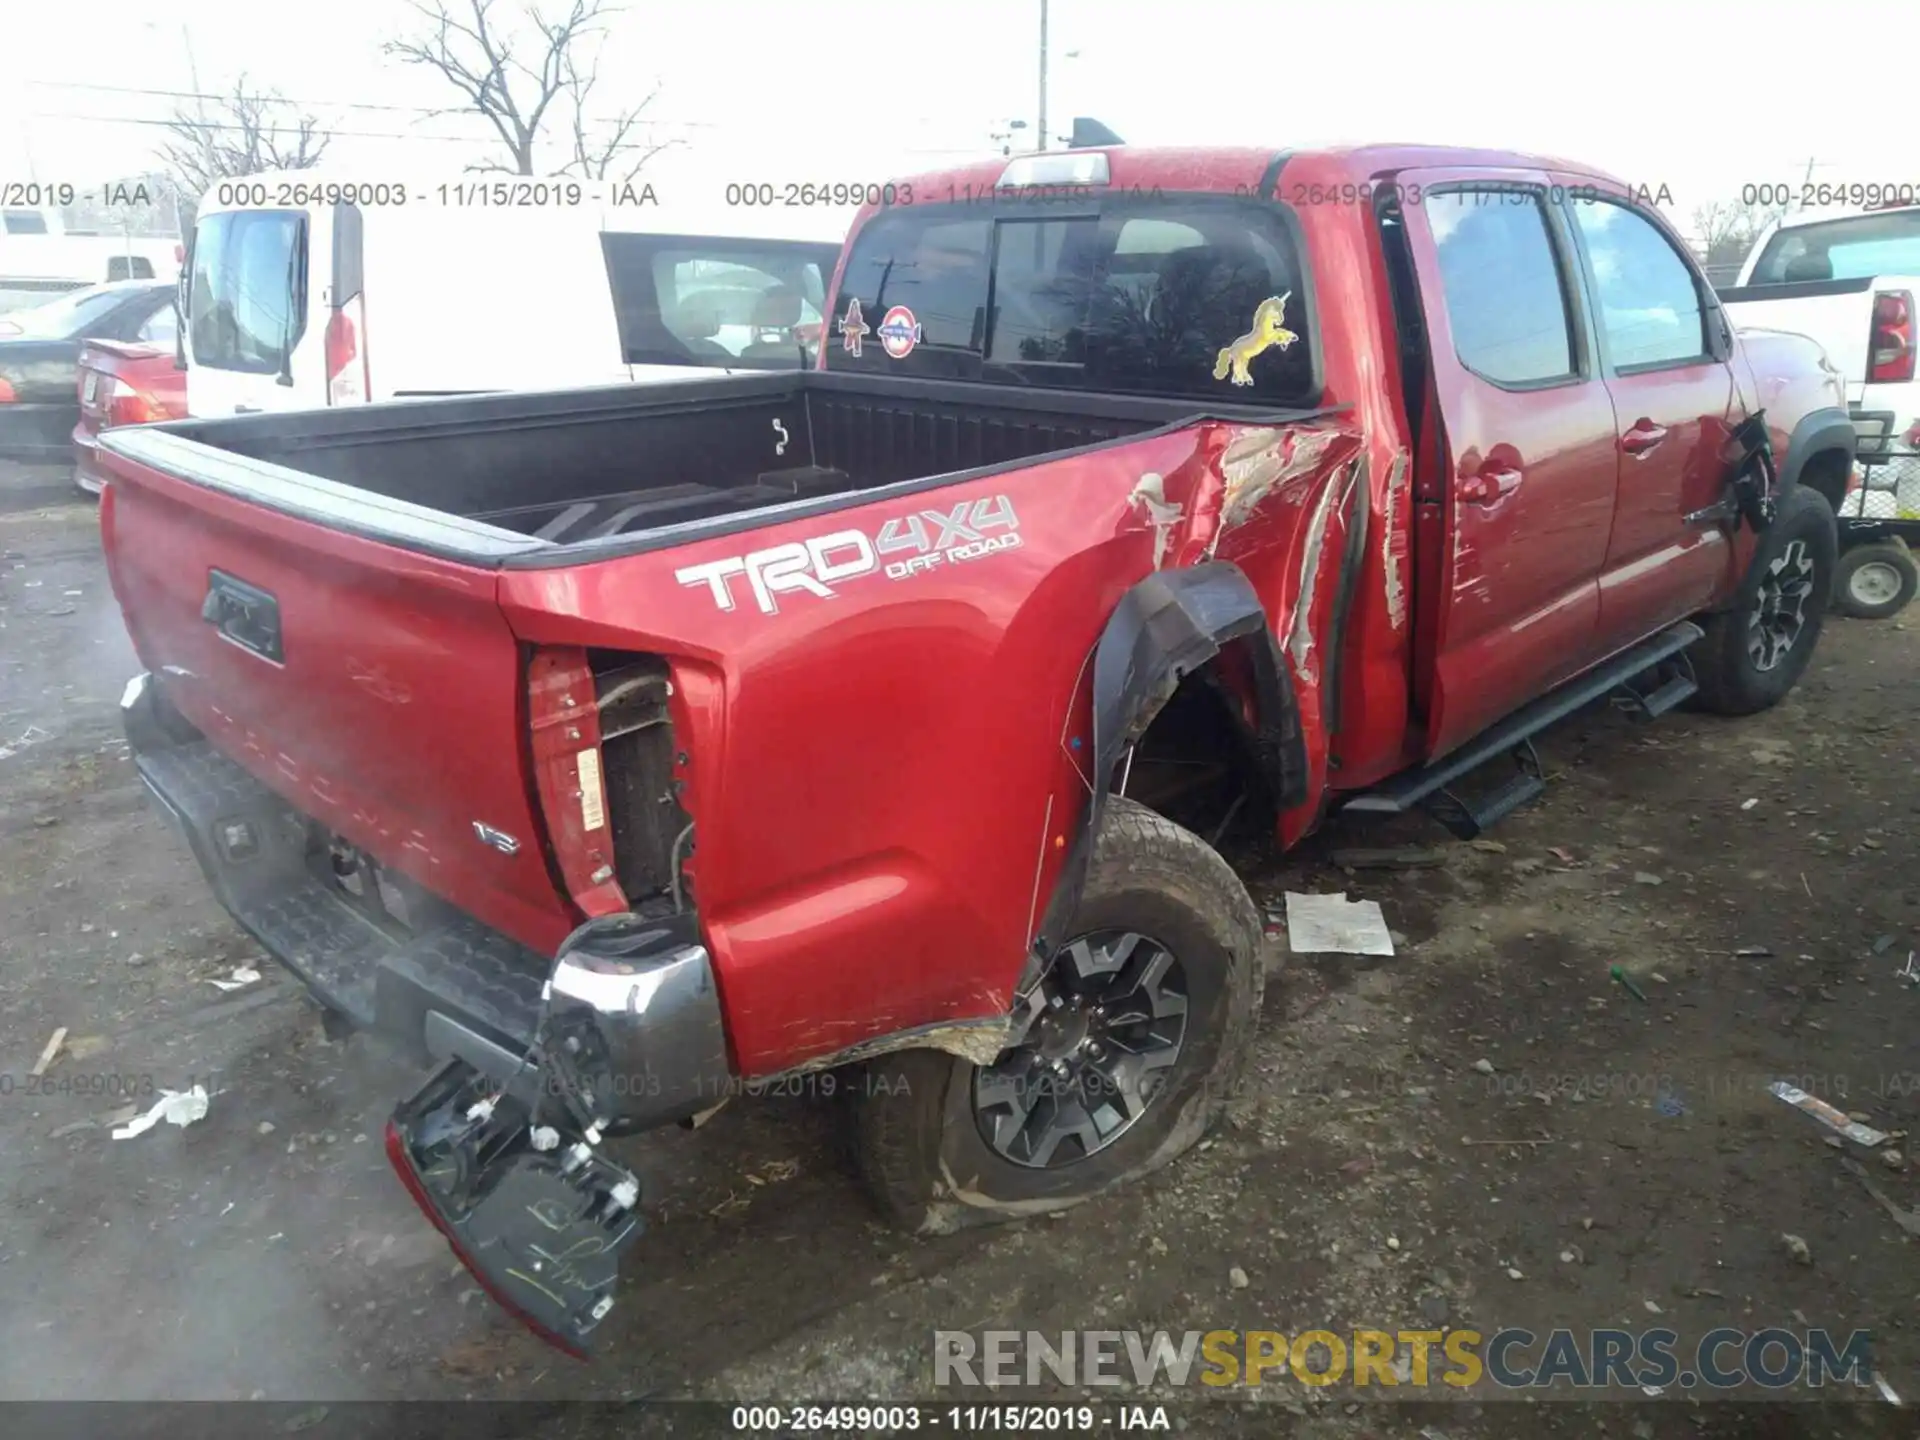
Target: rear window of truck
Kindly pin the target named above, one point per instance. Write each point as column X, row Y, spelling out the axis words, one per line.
column 1188, row 296
column 754, row 304
column 1857, row 248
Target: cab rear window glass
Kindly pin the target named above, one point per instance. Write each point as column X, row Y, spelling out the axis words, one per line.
column 752, row 304
column 1179, row 296
column 246, row 299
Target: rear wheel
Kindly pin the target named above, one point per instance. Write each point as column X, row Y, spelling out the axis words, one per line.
column 1126, row 1049
column 1755, row 651
column 1872, row 582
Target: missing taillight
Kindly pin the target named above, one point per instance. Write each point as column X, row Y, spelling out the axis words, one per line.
column 652, row 832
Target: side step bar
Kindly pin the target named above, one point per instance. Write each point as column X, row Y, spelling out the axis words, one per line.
column 1428, row 785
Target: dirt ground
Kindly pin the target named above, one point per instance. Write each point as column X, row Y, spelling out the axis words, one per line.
column 1621, row 1161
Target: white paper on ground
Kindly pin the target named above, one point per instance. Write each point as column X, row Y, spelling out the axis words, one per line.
column 174, row 1106
column 244, row 976
column 1333, row 924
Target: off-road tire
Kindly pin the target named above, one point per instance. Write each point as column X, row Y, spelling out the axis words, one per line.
column 1886, row 560
column 919, row 1145
column 1730, row 678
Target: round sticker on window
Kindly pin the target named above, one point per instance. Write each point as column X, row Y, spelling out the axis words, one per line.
column 899, row 332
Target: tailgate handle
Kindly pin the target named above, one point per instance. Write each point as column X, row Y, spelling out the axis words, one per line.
column 244, row 614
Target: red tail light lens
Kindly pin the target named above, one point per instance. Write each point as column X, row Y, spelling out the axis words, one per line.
column 7, row 394
column 346, row 360
column 564, row 718
column 128, row 406
column 1890, row 352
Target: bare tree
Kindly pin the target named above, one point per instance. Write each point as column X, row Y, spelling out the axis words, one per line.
column 519, row 72
column 604, row 150
column 245, row 133
column 1727, row 229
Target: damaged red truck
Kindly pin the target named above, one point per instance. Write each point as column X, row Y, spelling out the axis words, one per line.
column 620, row 748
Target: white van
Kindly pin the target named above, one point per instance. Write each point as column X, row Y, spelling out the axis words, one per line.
column 304, row 291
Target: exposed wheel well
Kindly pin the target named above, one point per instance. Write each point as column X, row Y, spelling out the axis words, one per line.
column 1198, row 762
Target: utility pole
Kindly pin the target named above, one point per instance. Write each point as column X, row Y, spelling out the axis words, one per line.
column 1042, row 136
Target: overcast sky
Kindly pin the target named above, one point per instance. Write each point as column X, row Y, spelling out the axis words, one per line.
column 1701, row 97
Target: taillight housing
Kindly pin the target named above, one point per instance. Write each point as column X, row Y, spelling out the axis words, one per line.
column 347, row 381
column 128, row 406
column 8, row 395
column 1890, row 351
column 564, row 720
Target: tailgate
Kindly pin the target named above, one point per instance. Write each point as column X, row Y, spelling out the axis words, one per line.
column 1840, row 323
column 378, row 690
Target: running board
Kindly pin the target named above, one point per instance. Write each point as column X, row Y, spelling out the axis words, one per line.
column 1428, row 785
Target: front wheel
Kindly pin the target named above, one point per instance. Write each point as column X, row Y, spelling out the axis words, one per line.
column 1755, row 651
column 1875, row 581
column 1129, row 1044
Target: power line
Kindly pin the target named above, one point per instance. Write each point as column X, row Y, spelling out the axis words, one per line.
column 328, row 132
column 427, row 110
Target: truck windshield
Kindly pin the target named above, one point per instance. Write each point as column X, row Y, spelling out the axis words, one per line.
column 1857, row 248
column 1196, row 296
column 245, row 290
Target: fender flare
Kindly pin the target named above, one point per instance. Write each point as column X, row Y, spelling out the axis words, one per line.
column 1828, row 428
column 1164, row 628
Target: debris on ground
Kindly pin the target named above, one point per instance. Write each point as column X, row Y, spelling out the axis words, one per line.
column 1854, row 1130
column 1753, row 952
column 32, row 735
column 1561, row 853
column 176, row 1107
column 1907, row 975
column 1797, row 1248
column 1237, row 1278
column 1748, row 804
column 1483, row 1066
column 242, row 977
column 1626, row 982
column 1907, row 1220
column 1405, row 857
column 54, row 1042
column 1883, row 943
column 1335, row 925
column 1647, row 877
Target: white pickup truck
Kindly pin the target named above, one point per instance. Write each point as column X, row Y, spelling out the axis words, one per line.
column 1850, row 280
column 40, row 257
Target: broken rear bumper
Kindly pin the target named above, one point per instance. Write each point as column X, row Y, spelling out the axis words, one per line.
column 623, row 1030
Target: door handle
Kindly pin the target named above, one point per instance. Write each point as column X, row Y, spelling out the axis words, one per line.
column 1642, row 437
column 1487, row 486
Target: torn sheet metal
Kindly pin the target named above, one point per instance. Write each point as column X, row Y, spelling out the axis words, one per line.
column 1149, row 496
column 174, row 1106
column 1335, row 925
column 1393, row 550
column 1256, row 463
column 1300, row 633
column 1833, row 1119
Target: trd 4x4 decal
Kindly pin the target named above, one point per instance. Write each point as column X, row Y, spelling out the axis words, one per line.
column 924, row 540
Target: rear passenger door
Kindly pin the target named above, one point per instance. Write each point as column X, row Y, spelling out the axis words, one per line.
column 1516, row 501
column 1661, row 353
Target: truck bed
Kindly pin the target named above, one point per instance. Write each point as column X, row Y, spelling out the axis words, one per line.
column 537, row 477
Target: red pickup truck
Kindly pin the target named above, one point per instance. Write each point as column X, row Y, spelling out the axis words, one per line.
column 622, row 749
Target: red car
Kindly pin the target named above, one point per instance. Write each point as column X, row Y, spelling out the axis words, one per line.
column 122, row 382
column 623, row 748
